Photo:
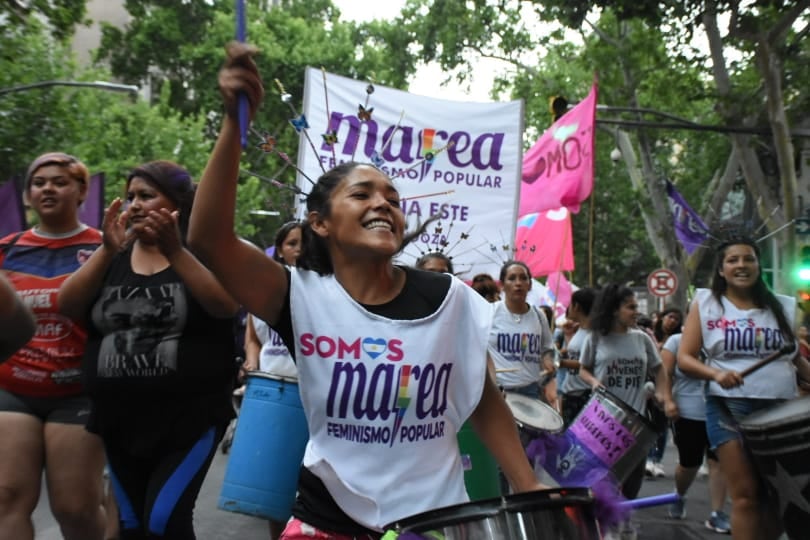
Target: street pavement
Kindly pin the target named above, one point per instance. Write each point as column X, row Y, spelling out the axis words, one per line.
column 215, row 524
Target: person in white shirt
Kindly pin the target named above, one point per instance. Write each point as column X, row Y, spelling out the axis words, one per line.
column 738, row 322
column 391, row 360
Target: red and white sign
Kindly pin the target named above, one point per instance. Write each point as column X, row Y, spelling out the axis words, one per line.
column 662, row 282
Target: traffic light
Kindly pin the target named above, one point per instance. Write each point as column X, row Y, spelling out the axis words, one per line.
column 803, row 278
column 803, row 266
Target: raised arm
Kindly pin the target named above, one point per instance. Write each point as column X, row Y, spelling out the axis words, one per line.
column 79, row 290
column 253, row 279
column 17, row 323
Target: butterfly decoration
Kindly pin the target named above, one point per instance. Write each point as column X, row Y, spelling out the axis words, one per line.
column 465, row 236
column 300, row 123
column 364, row 114
column 430, row 157
column 330, row 137
column 377, row 160
column 268, row 143
column 439, row 229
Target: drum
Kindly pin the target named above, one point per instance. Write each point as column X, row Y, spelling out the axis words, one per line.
column 533, row 415
column 606, row 437
column 561, row 514
column 779, row 439
column 262, row 474
column 480, row 469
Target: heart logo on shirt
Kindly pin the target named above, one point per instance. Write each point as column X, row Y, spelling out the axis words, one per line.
column 374, row 347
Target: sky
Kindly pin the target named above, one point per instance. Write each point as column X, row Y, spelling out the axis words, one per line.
column 425, row 81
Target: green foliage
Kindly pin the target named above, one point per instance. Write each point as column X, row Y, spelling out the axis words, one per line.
column 61, row 15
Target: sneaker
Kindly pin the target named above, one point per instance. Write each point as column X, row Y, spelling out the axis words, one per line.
column 658, row 471
column 718, row 522
column 703, row 471
column 677, row 510
column 648, row 469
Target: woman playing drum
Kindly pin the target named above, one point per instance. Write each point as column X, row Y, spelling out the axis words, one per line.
column 391, row 360
column 738, row 322
column 620, row 357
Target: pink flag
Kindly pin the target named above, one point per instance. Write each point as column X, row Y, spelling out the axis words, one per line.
column 559, row 288
column 543, row 241
column 558, row 170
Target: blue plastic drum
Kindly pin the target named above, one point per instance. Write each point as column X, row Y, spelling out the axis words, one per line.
column 262, row 474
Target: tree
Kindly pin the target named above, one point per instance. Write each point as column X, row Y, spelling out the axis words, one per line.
column 645, row 60
column 156, row 50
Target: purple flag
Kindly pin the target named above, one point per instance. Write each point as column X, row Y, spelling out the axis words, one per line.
column 92, row 210
column 689, row 228
column 12, row 214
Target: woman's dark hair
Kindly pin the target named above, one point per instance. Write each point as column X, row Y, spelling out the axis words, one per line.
column 607, row 303
column 658, row 330
column 549, row 313
column 421, row 261
column 513, row 262
column 584, row 298
column 485, row 285
column 762, row 296
column 314, row 250
column 173, row 181
column 281, row 235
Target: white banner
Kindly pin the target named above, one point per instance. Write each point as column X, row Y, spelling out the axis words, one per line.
column 460, row 160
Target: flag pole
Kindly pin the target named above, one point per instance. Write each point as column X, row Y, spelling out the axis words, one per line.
column 591, row 213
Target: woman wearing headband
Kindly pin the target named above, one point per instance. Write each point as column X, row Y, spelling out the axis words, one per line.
column 43, row 406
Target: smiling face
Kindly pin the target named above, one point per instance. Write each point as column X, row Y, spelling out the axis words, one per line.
column 364, row 217
column 55, row 196
column 143, row 197
column 739, row 266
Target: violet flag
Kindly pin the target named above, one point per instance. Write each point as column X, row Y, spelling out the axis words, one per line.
column 12, row 214
column 559, row 169
column 543, row 241
column 91, row 211
column 690, row 229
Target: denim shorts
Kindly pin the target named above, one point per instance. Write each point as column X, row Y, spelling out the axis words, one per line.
column 723, row 416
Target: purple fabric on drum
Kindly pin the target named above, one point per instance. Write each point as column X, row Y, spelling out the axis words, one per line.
column 550, row 450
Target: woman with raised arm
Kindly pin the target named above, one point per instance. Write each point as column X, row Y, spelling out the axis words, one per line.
column 159, row 364
column 738, row 322
column 384, row 390
column 43, row 406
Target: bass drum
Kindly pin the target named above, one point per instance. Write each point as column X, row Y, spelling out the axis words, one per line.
column 558, row 514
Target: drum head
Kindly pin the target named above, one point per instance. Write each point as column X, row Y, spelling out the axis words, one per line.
column 795, row 411
column 533, row 413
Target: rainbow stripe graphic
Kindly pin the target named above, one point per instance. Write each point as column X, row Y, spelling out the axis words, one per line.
column 402, row 400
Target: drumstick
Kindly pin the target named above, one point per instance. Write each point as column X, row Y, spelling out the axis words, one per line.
column 506, row 369
column 787, row 349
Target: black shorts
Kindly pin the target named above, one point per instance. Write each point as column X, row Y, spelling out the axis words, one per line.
column 61, row 410
column 692, row 441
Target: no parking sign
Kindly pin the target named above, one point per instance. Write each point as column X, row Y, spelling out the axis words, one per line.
column 662, row 282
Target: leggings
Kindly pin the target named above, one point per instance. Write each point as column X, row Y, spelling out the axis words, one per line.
column 156, row 494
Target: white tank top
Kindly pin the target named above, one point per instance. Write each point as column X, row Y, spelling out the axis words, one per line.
column 735, row 339
column 385, row 398
column 274, row 358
